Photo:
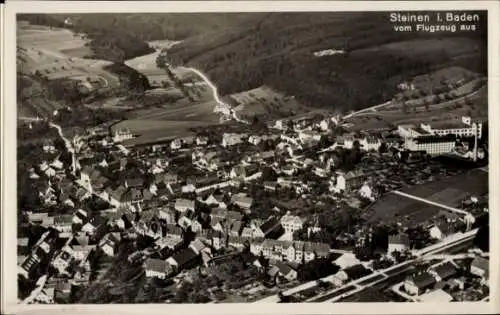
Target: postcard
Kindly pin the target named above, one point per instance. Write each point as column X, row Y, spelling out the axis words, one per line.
column 250, row 157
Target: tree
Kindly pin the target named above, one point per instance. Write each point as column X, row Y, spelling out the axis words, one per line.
column 383, row 148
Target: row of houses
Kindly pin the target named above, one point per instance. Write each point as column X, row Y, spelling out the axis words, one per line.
column 425, row 282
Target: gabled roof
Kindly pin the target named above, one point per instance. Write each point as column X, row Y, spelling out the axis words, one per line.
column 270, row 225
column 423, row 280
column 63, row 219
column 242, row 200
column 445, row 270
column 180, row 202
column 184, row 256
column 157, row 265
column 284, row 269
column 219, row 213
column 197, row 245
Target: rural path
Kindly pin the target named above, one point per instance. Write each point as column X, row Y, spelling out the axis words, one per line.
column 463, row 212
column 225, row 108
column 372, row 108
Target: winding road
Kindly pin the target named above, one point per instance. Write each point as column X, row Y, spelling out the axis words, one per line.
column 224, row 107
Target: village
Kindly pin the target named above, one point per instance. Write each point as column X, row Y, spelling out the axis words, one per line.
column 226, row 216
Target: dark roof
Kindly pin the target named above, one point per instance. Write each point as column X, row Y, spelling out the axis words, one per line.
column 97, row 220
column 357, row 271
column 424, row 280
column 446, row 270
column 436, row 139
column 184, row 256
column 135, row 182
column 270, row 225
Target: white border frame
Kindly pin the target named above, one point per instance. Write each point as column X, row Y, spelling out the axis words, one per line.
column 8, row 159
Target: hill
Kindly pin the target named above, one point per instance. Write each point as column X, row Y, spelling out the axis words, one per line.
column 279, row 49
column 118, row 37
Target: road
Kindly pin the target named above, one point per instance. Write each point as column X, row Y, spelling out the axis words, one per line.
column 224, row 106
column 394, row 271
column 389, row 274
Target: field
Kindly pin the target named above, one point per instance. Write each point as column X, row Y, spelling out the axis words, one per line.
column 54, row 54
column 449, row 192
column 452, row 190
column 147, row 65
column 393, row 207
column 266, row 102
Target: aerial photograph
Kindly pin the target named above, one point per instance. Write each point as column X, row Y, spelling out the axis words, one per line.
column 267, row 157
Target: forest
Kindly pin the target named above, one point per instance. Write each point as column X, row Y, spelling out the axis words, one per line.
column 241, row 51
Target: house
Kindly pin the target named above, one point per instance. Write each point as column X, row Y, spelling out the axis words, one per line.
column 184, row 222
column 219, row 213
column 22, row 246
column 196, row 226
column 230, row 139
column 370, row 144
column 444, row 271
column 399, row 242
column 236, row 242
column 63, row 223
column 183, row 205
column 169, row 178
column 173, row 231
column 242, row 201
column 109, row 243
column 356, row 272
column 291, row 223
column 91, row 226
column 176, row 144
column 201, row 140
column 184, row 259
column 238, row 172
column 63, row 259
column 440, row 231
column 81, row 252
column 272, row 228
column 215, row 239
column 436, row 296
column 80, row 217
column 134, row 182
column 419, row 284
column 350, row 180
column 266, row 155
column 308, row 251
column 188, row 188
column 197, row 246
column 480, row 267
column 235, row 228
column 155, row 268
